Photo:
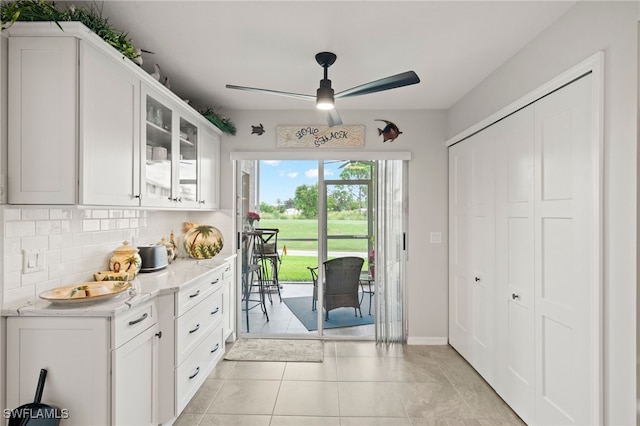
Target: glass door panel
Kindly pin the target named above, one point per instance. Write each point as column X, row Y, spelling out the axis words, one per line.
column 188, row 170
column 158, row 170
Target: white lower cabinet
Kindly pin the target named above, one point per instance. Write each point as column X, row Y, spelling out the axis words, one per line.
column 100, row 370
column 523, row 271
column 192, row 322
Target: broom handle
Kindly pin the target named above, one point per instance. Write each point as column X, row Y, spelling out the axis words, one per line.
column 40, row 388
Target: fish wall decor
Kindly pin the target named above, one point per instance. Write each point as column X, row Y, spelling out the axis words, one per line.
column 257, row 130
column 390, row 131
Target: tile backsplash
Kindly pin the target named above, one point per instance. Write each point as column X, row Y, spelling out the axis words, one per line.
column 79, row 242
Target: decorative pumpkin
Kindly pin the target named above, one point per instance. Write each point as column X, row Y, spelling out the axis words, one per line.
column 202, row 241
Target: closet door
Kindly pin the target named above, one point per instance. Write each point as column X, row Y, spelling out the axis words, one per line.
column 472, row 250
column 514, row 355
column 567, row 257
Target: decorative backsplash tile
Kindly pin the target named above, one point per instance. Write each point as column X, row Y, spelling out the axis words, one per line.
column 79, row 242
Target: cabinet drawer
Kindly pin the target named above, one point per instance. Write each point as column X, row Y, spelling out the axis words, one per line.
column 192, row 373
column 131, row 323
column 193, row 326
column 192, row 294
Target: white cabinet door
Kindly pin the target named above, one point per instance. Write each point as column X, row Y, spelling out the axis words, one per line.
column 110, row 131
column 160, row 140
column 42, row 125
column 567, row 277
column 187, row 171
column 135, row 381
column 75, row 352
column 209, row 170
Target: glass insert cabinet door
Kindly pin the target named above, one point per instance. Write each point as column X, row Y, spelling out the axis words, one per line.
column 158, row 167
column 171, row 164
column 188, row 163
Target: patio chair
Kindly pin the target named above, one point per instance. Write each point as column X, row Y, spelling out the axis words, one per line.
column 341, row 283
column 266, row 253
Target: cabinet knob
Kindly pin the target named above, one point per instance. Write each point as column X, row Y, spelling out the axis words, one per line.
column 201, row 201
column 477, row 279
column 159, row 334
column 514, row 296
column 138, row 196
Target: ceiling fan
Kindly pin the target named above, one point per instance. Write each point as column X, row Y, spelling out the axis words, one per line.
column 325, row 96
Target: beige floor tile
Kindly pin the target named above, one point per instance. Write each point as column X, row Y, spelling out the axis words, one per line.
column 374, row 421
column 304, row 421
column 318, row 371
column 245, row 397
column 202, row 399
column 485, row 402
column 415, row 369
column 366, row 348
column 445, row 422
column 234, row 420
column 300, row 398
column 188, row 420
column 433, row 401
column 256, row 370
column 222, row 369
column 363, row 369
column 369, row 399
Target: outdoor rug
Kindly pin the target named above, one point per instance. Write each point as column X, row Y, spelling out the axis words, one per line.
column 276, row 350
column 339, row 317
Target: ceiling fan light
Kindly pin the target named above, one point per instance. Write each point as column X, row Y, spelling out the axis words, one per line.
column 324, row 97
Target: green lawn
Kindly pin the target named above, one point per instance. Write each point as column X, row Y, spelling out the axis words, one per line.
column 294, row 267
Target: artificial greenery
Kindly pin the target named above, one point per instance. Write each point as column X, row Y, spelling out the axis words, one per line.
column 42, row 10
column 223, row 123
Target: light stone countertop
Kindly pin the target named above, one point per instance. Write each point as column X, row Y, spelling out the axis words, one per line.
column 179, row 274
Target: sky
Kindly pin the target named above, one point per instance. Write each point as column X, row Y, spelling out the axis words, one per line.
column 279, row 179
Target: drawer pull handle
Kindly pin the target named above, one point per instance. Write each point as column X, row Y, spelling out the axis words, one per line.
column 215, row 282
column 195, row 374
column 228, row 269
column 195, row 329
column 216, row 348
column 216, row 311
column 196, row 294
column 142, row 318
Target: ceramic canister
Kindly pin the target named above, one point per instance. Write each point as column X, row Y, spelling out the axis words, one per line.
column 126, row 258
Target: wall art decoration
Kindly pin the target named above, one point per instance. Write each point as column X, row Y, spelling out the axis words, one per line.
column 390, row 131
column 320, row 136
column 257, row 130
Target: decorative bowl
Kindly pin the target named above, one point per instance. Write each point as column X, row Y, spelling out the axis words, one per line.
column 84, row 292
column 113, row 276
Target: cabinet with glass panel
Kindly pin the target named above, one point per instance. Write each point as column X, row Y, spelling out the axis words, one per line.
column 171, row 169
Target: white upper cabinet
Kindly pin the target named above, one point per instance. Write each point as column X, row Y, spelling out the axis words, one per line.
column 43, row 104
column 109, row 131
column 89, row 127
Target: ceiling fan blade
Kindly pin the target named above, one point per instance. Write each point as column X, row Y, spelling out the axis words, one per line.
column 273, row 92
column 333, row 118
column 398, row 80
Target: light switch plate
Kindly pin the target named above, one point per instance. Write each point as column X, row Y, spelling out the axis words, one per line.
column 33, row 260
column 436, row 237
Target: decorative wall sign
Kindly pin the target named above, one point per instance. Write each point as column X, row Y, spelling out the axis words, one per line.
column 320, row 136
column 257, row 130
column 390, row 131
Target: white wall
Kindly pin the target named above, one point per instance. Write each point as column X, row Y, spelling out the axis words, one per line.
column 423, row 135
column 585, row 29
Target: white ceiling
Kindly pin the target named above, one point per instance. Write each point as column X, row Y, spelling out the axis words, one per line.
column 451, row 45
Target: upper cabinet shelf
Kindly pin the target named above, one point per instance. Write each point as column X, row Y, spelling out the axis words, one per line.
column 64, row 81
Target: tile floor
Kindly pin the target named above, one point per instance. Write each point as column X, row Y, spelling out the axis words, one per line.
column 359, row 383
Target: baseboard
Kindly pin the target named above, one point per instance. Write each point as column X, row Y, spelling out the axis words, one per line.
column 427, row 341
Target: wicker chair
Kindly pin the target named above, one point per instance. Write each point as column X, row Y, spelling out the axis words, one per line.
column 341, row 283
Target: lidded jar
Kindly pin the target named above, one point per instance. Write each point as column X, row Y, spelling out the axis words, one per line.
column 126, row 259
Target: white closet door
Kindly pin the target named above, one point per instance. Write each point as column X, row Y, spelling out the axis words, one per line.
column 514, row 354
column 472, row 250
column 566, row 257
column 460, row 160
column 483, row 251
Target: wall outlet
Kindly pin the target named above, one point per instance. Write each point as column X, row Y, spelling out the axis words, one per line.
column 33, row 260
